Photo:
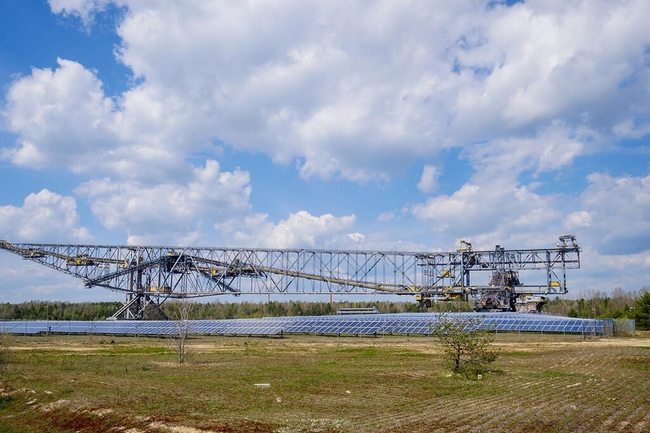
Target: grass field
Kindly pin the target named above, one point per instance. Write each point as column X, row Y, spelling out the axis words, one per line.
column 321, row 384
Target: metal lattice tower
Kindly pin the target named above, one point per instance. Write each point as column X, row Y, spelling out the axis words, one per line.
column 149, row 275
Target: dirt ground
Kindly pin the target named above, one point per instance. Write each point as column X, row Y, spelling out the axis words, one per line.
column 324, row 384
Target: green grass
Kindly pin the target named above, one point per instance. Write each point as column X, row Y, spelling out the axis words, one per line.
column 515, row 354
column 70, row 384
column 8, row 428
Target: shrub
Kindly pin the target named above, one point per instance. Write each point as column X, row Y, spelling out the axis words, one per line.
column 466, row 345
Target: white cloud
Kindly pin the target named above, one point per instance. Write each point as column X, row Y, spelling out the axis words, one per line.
column 61, row 117
column 303, row 80
column 44, row 217
column 299, row 230
column 495, row 203
column 578, row 220
column 356, row 237
column 541, row 59
column 386, row 217
column 345, row 89
column 429, row 180
column 170, row 212
column 500, row 207
column 551, row 149
column 355, row 90
column 615, row 213
column 631, row 129
column 85, row 10
column 604, row 272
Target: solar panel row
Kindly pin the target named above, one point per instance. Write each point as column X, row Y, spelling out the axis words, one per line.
column 406, row 323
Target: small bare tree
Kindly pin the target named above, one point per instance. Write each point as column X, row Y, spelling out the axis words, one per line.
column 466, row 345
column 180, row 314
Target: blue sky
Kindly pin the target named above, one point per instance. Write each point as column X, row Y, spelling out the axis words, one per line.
column 382, row 125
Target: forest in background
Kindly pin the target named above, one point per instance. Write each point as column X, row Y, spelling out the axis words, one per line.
column 620, row 304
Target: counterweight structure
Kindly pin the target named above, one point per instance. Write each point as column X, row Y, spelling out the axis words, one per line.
column 149, row 275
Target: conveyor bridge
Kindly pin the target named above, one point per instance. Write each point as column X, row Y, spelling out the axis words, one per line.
column 149, row 275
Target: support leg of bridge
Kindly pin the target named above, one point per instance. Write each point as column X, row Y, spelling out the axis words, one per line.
column 135, row 307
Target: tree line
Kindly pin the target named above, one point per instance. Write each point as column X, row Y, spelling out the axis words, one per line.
column 620, row 304
column 56, row 310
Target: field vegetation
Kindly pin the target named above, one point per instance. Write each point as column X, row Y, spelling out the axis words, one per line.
column 538, row 383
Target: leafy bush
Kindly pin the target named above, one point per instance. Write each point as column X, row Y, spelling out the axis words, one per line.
column 642, row 312
column 466, row 345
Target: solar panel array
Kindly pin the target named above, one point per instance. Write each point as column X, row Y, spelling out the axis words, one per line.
column 365, row 324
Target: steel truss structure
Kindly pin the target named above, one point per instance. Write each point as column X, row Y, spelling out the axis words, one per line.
column 149, row 275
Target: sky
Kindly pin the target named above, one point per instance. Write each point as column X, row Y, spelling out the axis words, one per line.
column 360, row 124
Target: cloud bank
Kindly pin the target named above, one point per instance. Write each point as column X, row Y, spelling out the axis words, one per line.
column 518, row 94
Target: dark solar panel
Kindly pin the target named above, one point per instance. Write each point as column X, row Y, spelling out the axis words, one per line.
column 404, row 323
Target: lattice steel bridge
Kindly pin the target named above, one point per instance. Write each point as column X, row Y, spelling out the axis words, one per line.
column 149, row 275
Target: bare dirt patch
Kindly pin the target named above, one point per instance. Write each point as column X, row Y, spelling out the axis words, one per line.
column 325, row 384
